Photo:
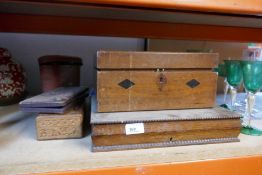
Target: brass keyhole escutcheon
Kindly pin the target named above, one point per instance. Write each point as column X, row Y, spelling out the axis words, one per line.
column 162, row 80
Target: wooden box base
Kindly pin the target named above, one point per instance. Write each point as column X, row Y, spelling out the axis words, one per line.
column 146, row 129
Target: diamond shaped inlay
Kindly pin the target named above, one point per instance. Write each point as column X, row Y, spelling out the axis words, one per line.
column 126, row 84
column 193, row 83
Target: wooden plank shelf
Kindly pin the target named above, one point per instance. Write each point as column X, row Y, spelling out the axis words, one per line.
column 22, row 154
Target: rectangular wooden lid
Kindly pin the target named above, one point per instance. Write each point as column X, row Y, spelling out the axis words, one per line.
column 154, row 60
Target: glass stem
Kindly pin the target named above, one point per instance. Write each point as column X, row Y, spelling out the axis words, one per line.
column 233, row 92
column 250, row 105
column 226, row 87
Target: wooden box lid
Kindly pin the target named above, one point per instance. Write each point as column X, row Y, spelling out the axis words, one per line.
column 154, row 60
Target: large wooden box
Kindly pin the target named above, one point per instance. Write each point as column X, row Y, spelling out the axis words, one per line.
column 133, row 81
column 147, row 129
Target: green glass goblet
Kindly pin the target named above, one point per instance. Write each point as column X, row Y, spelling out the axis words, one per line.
column 234, row 78
column 222, row 72
column 252, row 75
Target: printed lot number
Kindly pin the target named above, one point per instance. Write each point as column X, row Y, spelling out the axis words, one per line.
column 134, row 128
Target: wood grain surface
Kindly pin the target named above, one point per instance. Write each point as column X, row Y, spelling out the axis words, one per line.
column 154, row 60
column 168, row 126
column 146, row 93
column 164, row 137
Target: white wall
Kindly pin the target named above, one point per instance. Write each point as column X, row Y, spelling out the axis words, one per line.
column 27, row 48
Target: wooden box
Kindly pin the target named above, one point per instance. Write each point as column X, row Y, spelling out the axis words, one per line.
column 146, row 129
column 60, row 126
column 133, row 81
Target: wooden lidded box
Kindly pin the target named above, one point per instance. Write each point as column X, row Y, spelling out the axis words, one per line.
column 133, row 81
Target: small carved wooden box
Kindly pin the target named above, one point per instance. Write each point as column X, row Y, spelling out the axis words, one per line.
column 60, row 126
column 133, row 81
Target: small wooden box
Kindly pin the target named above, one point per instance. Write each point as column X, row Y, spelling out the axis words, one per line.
column 60, row 126
column 133, row 81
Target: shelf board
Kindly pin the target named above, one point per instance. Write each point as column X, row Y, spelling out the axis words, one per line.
column 110, row 18
column 226, row 6
column 124, row 28
column 23, row 154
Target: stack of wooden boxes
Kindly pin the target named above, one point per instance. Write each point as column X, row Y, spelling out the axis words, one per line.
column 60, row 112
column 151, row 99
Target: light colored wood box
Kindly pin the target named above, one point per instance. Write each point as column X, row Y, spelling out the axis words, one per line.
column 133, row 81
column 60, row 126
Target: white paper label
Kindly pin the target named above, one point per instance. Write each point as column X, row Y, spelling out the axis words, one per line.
column 135, row 128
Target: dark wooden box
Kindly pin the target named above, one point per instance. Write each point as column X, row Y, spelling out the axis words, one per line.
column 133, row 81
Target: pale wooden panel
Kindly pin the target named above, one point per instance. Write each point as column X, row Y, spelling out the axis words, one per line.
column 144, row 60
column 145, row 94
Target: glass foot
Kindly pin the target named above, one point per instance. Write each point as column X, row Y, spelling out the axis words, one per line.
column 251, row 131
column 224, row 106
